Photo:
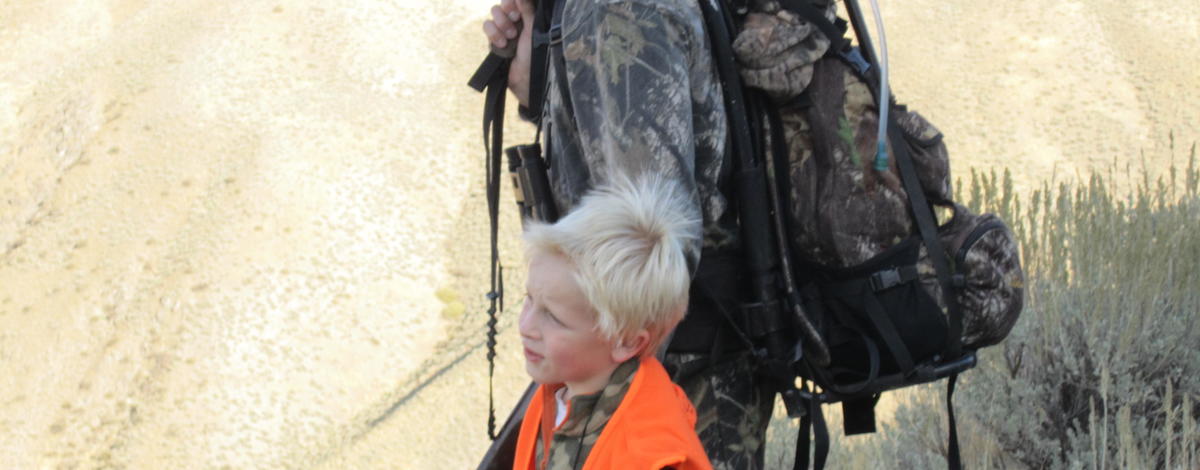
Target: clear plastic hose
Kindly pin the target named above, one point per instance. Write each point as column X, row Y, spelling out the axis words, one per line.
column 881, row 156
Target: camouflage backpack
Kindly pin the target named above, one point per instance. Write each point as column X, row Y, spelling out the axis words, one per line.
column 883, row 294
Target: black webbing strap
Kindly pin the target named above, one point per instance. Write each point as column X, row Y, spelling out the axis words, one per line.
column 812, row 423
column 539, row 62
column 553, row 40
column 491, row 78
column 858, row 414
column 493, row 65
column 953, row 457
column 927, row 225
column 493, row 140
column 887, row 331
column 861, row 292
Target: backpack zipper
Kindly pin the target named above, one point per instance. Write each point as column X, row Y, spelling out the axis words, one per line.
column 977, row 233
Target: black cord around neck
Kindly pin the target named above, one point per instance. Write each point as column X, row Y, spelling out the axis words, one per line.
column 583, row 435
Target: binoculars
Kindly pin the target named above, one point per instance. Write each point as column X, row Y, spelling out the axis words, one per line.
column 531, row 183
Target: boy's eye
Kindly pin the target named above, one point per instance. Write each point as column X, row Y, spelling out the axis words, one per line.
column 553, row 318
column 529, row 302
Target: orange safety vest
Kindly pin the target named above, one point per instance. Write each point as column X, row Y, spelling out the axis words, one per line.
column 653, row 427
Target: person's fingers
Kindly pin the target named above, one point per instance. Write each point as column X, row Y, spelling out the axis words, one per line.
column 494, row 36
column 503, row 23
column 525, row 7
column 512, row 8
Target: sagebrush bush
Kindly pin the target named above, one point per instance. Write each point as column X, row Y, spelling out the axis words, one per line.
column 1103, row 368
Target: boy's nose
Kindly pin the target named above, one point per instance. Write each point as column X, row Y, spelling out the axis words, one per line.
column 525, row 323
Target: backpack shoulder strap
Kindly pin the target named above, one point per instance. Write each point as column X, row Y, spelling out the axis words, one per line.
column 835, row 30
column 554, row 41
column 547, row 36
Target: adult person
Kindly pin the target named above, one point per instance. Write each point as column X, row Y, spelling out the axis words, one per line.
column 639, row 93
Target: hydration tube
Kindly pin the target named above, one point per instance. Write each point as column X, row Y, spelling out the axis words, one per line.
column 881, row 155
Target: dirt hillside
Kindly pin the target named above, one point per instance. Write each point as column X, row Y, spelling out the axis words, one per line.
column 252, row 234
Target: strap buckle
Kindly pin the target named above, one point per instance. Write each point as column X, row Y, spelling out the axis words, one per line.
column 892, row 277
column 854, row 57
column 760, row 319
column 886, row 279
column 549, row 38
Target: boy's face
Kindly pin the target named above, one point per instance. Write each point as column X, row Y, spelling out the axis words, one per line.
column 558, row 329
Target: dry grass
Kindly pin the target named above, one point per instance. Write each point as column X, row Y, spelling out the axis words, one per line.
column 1103, row 369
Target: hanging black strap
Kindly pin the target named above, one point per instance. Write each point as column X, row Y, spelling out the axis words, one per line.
column 491, row 78
column 495, row 296
column 493, row 140
column 858, row 414
column 814, row 423
column 803, row 442
column 490, row 67
column 953, row 457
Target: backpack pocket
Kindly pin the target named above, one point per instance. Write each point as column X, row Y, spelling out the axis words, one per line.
column 930, row 157
column 987, row 275
column 878, row 319
column 776, row 51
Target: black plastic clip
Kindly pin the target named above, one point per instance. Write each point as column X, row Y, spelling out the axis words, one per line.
column 549, row 38
column 885, row 279
column 892, row 277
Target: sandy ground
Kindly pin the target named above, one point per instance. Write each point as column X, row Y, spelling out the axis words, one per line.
column 244, row 234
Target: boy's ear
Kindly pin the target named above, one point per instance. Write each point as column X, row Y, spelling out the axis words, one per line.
column 630, row 346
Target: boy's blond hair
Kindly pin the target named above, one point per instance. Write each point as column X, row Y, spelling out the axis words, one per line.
column 626, row 243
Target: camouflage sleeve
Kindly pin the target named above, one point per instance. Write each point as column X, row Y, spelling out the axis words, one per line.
column 628, row 73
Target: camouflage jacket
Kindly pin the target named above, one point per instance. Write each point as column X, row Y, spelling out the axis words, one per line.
column 586, row 417
column 644, row 96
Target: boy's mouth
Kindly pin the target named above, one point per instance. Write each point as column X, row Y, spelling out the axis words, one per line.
column 532, row 356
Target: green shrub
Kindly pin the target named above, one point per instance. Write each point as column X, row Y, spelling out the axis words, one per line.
column 1102, row 370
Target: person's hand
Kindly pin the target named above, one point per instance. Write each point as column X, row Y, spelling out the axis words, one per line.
column 512, row 21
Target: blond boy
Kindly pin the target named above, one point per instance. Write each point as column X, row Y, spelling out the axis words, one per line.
column 606, row 284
